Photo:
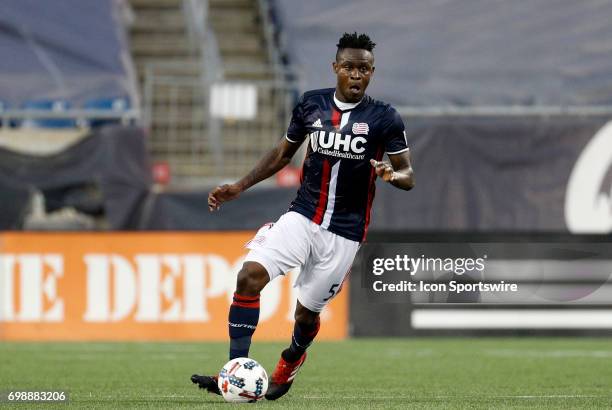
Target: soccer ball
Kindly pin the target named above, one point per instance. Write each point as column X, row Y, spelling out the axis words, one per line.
column 243, row 380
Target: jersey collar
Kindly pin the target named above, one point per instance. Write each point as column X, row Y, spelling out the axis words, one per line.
column 342, row 106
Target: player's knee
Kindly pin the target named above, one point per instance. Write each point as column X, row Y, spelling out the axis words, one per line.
column 251, row 280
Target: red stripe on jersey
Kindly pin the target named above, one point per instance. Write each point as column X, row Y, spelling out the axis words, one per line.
column 323, row 193
column 371, row 191
column 335, row 119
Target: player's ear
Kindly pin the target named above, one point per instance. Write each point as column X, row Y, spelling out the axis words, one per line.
column 335, row 67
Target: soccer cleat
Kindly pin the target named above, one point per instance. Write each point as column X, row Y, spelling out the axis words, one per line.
column 283, row 376
column 207, row 382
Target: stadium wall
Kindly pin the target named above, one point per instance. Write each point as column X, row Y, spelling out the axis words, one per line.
column 504, row 174
column 563, row 286
column 512, row 174
column 178, row 286
column 548, row 174
column 137, row 286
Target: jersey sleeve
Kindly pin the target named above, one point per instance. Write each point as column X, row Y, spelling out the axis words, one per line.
column 297, row 130
column 395, row 134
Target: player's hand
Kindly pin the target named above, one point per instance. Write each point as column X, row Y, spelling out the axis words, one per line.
column 222, row 194
column 383, row 169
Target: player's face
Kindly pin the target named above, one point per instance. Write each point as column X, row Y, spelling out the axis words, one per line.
column 353, row 68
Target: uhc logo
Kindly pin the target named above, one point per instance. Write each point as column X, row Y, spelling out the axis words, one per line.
column 338, row 145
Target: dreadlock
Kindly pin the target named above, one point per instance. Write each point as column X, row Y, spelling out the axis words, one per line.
column 355, row 40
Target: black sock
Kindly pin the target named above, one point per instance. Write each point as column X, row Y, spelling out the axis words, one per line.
column 300, row 340
column 243, row 318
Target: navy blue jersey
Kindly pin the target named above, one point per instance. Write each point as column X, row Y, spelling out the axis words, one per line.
column 338, row 181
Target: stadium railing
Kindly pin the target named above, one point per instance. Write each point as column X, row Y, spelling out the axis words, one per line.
column 49, row 105
column 75, row 116
column 51, row 127
column 200, row 145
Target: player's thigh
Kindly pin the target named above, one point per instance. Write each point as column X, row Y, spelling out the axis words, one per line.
column 281, row 246
column 320, row 281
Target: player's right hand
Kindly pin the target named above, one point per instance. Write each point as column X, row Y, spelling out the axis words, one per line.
column 383, row 169
column 222, row 194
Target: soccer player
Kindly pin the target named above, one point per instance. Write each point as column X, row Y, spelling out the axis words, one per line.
column 348, row 133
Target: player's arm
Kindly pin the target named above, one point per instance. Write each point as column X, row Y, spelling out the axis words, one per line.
column 399, row 173
column 268, row 165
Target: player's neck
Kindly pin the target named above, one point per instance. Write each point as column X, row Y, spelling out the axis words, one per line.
column 344, row 105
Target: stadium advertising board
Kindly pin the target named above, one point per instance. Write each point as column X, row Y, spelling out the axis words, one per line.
column 135, row 286
column 561, row 286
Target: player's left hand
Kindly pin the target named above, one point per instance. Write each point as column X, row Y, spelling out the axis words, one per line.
column 383, row 169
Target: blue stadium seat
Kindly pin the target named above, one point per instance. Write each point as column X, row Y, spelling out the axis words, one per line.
column 115, row 105
column 50, row 105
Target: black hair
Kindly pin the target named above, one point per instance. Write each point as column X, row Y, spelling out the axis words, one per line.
column 355, row 40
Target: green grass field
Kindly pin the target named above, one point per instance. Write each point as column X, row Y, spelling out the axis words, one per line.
column 372, row 373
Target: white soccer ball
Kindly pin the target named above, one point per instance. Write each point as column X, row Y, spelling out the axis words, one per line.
column 243, row 380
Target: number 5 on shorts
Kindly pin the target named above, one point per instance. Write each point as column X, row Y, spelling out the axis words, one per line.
column 332, row 292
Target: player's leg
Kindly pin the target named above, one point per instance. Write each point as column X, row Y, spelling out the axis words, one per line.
column 244, row 311
column 305, row 329
column 243, row 317
column 318, row 283
column 271, row 255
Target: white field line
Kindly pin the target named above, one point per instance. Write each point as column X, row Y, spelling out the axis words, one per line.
column 377, row 397
column 598, row 354
column 553, row 396
column 369, row 397
column 91, row 397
